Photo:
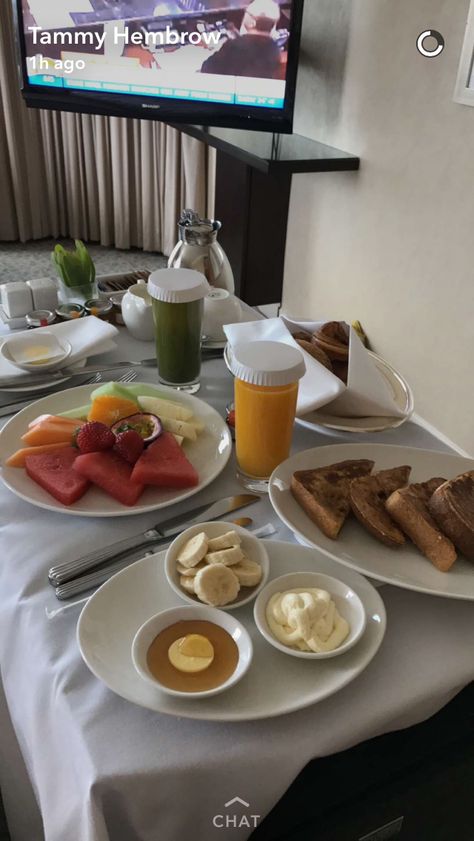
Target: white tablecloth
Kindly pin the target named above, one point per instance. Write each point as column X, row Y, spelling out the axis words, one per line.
column 105, row 770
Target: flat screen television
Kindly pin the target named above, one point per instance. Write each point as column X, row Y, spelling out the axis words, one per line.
column 229, row 63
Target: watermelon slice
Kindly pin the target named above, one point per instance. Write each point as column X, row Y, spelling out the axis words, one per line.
column 18, row 459
column 164, row 465
column 110, row 472
column 54, row 472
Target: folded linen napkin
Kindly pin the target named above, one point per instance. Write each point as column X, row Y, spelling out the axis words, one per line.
column 367, row 392
column 88, row 336
column 318, row 386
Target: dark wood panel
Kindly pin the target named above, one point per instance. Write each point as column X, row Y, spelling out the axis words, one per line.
column 253, row 208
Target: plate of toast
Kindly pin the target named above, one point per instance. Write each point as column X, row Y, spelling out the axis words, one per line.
column 399, row 515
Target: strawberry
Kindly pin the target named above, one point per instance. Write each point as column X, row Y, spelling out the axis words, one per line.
column 94, row 437
column 129, row 445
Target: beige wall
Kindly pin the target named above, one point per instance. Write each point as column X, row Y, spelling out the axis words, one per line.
column 392, row 245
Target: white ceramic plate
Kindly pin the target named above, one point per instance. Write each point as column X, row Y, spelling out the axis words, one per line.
column 21, row 389
column 401, row 393
column 356, row 548
column 274, row 685
column 209, row 455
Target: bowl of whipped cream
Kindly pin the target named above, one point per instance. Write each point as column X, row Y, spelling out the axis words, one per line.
column 310, row 615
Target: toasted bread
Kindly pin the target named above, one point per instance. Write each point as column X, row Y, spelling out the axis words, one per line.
column 452, row 506
column 324, row 492
column 368, row 495
column 409, row 508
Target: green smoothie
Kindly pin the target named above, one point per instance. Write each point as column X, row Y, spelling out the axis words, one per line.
column 178, row 340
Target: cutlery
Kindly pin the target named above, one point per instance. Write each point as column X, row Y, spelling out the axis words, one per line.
column 161, row 533
column 13, row 408
column 100, row 576
column 53, row 376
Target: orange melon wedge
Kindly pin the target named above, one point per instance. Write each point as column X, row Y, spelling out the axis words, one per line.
column 48, row 433
column 18, row 458
column 108, row 409
column 55, row 419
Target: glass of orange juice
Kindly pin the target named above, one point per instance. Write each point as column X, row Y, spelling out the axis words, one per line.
column 266, row 390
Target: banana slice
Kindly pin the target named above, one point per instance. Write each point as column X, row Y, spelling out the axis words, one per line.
column 224, row 541
column 226, row 556
column 187, row 583
column 216, row 585
column 190, row 572
column 193, row 551
column 248, row 572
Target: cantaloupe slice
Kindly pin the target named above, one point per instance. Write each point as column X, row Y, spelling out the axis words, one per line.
column 48, row 433
column 18, row 458
column 115, row 390
column 75, row 422
column 109, row 410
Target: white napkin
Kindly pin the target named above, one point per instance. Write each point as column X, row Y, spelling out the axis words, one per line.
column 88, row 336
column 368, row 392
column 318, row 386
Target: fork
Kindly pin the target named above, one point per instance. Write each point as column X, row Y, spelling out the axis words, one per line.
column 13, row 408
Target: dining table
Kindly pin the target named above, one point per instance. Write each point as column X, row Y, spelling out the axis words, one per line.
column 80, row 763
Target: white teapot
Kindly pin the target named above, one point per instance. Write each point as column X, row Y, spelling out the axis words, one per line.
column 137, row 312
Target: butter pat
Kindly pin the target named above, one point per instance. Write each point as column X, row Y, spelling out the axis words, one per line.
column 191, row 654
column 306, row 619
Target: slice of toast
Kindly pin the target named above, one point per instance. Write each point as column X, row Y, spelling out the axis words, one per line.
column 409, row 508
column 368, row 496
column 324, row 492
column 452, row 506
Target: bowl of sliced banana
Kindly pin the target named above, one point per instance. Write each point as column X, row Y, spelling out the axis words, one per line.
column 218, row 564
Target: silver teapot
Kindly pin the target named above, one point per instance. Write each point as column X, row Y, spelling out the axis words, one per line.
column 198, row 249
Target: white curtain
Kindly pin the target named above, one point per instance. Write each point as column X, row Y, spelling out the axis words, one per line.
column 102, row 179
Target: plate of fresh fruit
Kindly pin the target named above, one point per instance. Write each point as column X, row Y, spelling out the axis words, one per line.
column 114, row 450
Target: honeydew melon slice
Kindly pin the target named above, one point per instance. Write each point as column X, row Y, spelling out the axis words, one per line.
column 164, row 408
column 77, row 414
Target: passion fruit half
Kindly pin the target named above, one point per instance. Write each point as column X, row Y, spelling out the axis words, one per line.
column 148, row 426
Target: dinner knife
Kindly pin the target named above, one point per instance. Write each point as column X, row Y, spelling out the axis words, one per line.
column 160, row 533
column 52, row 376
column 100, row 576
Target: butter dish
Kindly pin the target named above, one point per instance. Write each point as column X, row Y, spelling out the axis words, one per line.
column 37, row 350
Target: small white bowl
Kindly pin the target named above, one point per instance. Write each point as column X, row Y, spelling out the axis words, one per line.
column 347, row 602
column 147, row 633
column 251, row 546
column 17, row 348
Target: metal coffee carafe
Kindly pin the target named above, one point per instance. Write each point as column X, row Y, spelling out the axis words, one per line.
column 198, row 249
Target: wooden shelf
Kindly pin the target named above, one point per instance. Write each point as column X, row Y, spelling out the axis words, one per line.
column 275, row 154
column 253, row 188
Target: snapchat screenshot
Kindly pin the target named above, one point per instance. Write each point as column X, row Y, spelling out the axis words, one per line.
column 236, row 420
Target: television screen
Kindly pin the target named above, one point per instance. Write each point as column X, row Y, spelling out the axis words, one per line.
column 220, row 62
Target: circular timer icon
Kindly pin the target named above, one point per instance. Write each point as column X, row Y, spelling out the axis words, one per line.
column 440, row 43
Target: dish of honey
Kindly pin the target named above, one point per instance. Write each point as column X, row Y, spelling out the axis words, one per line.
column 221, row 666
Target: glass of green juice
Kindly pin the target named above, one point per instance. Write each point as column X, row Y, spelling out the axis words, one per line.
column 178, row 306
